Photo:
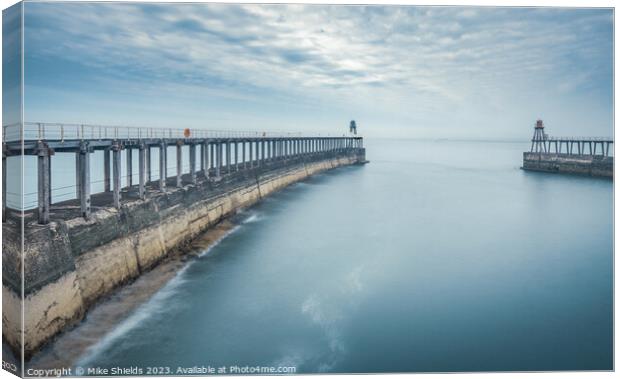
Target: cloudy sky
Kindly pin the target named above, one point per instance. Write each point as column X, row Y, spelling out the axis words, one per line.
column 424, row 72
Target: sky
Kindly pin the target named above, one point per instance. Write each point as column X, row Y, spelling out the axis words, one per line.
column 399, row 71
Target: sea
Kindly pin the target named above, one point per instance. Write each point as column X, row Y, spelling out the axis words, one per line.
column 436, row 256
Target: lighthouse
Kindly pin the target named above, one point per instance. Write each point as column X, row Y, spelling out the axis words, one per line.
column 353, row 127
column 539, row 138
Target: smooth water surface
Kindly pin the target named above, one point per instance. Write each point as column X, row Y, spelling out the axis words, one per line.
column 436, row 256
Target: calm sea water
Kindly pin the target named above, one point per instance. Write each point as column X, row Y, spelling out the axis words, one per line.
column 436, row 256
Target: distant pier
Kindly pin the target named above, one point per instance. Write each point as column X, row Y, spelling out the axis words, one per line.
column 570, row 155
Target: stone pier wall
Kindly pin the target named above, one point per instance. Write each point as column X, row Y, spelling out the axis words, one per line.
column 71, row 264
column 590, row 165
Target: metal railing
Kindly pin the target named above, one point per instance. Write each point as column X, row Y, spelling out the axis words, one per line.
column 36, row 131
column 579, row 139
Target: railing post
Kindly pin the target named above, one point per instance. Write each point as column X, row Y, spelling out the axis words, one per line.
column 116, row 174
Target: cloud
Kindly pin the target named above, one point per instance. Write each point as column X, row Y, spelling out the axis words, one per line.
column 352, row 57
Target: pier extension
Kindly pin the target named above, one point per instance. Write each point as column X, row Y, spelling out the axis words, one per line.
column 570, row 155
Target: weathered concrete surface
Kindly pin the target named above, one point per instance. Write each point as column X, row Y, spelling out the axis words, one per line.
column 590, row 165
column 70, row 264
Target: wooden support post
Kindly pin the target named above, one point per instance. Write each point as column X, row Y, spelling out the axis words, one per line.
column 129, row 167
column 218, row 165
column 49, row 178
column 106, row 170
column 142, row 171
column 213, row 147
column 43, row 184
column 77, row 174
column 179, row 163
column 227, row 147
column 3, row 183
column 116, row 174
column 85, row 180
column 162, row 166
column 243, row 154
column 236, row 156
column 251, row 155
column 192, row 163
column 606, row 153
column 148, row 164
column 214, row 157
column 203, row 158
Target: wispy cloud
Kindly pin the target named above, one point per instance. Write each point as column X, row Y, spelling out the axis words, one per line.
column 412, row 67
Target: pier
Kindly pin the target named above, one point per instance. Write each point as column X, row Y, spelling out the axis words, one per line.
column 572, row 155
column 82, row 248
column 212, row 155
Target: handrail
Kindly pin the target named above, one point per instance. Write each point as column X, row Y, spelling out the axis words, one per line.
column 580, row 139
column 65, row 131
